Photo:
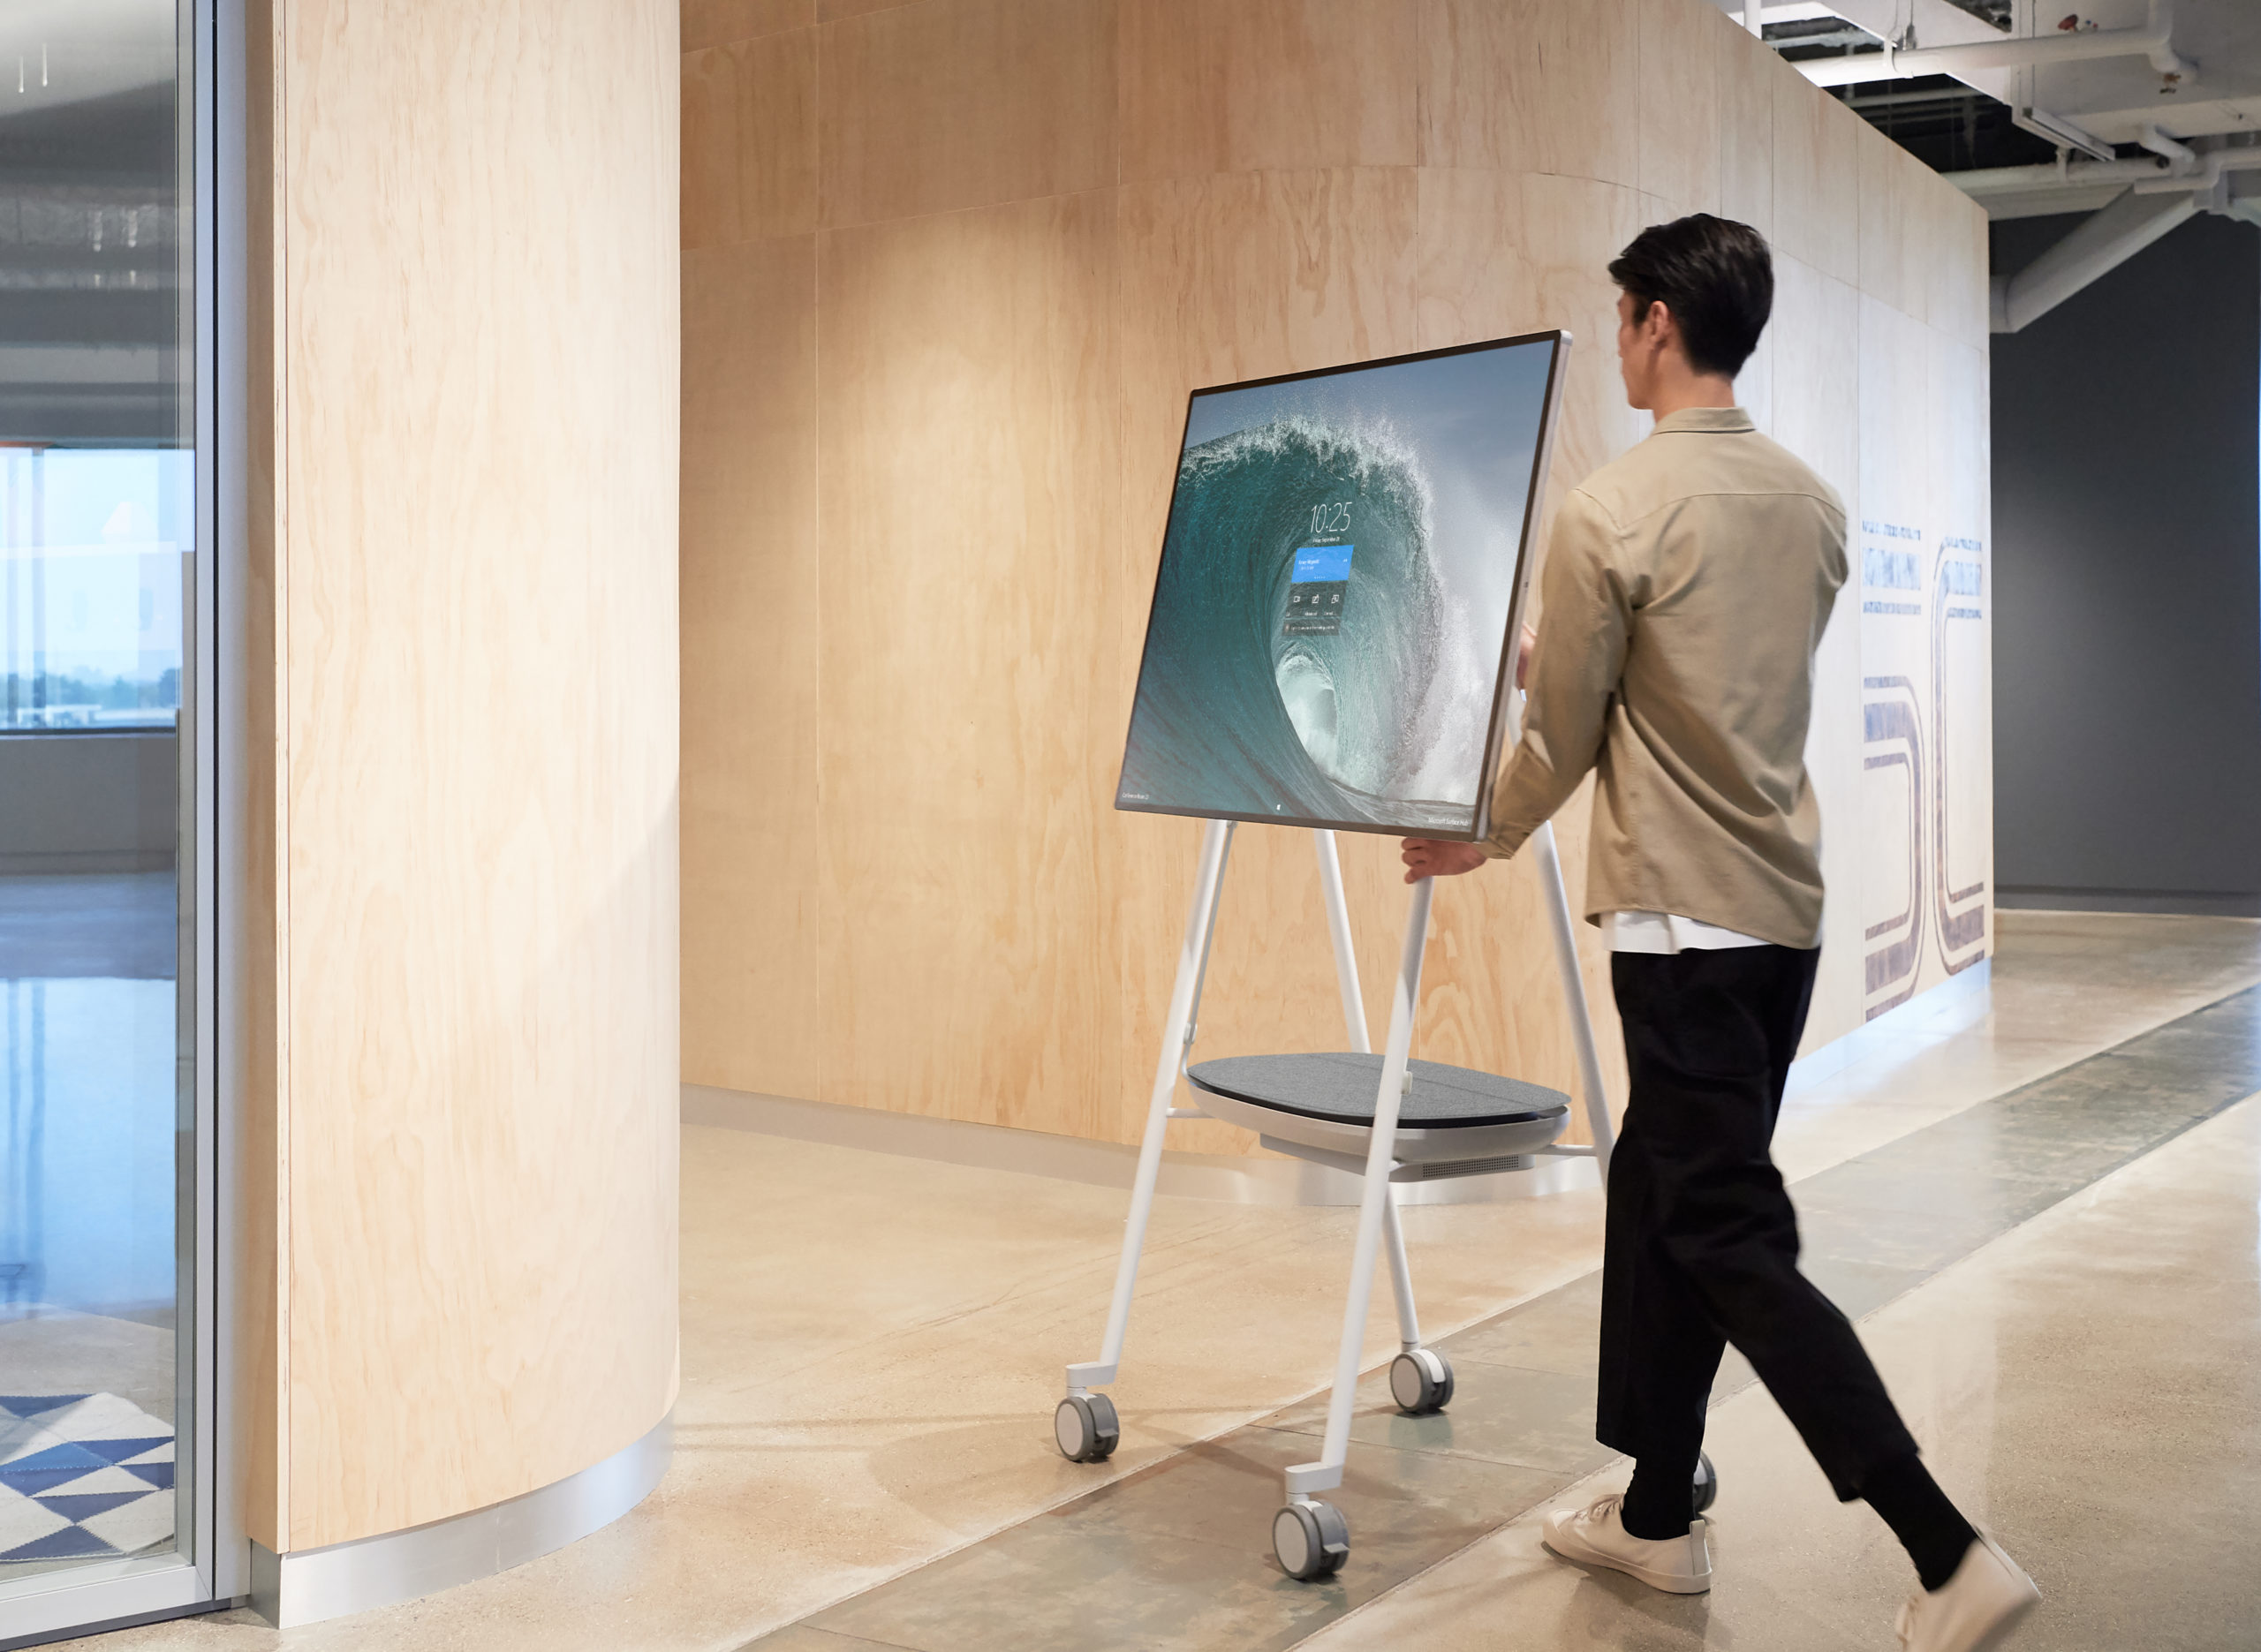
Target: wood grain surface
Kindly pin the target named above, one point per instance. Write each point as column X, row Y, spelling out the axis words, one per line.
column 1040, row 227
column 465, row 1017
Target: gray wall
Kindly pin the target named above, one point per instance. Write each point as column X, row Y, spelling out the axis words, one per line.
column 2128, row 582
column 88, row 802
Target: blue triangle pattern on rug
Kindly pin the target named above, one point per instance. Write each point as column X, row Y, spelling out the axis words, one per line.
column 119, row 1451
column 74, row 1493
column 58, row 1465
column 33, row 1405
column 83, row 1506
column 73, row 1543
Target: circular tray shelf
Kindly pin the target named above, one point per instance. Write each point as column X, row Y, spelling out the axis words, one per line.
column 1450, row 1114
column 1341, row 1088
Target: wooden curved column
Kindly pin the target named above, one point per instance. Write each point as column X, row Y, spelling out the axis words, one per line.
column 952, row 267
column 460, row 1013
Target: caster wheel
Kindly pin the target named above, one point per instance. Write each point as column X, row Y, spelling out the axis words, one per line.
column 1707, row 1483
column 1312, row 1540
column 1085, row 1428
column 1420, row 1382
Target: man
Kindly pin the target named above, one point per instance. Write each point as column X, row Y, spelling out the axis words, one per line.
column 1685, row 591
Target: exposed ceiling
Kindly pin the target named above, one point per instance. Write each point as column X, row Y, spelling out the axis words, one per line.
column 2139, row 113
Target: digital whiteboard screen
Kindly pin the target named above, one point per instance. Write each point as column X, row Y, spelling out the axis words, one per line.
column 1342, row 579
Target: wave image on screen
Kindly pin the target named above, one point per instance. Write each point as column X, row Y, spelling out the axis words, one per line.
column 1341, row 568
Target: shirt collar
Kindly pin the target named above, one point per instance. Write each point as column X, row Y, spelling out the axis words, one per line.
column 1710, row 420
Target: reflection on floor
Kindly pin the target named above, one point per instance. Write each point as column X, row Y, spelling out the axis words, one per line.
column 2088, row 1386
column 872, row 1347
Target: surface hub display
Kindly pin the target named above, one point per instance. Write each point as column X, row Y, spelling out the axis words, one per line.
column 1342, row 580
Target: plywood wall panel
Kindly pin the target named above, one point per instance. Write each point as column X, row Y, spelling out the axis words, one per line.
column 750, row 581
column 1680, row 117
column 475, row 223
column 1266, row 85
column 1747, row 70
column 718, row 22
column 1818, row 176
column 1960, row 304
column 1225, row 192
column 749, row 140
column 1502, row 254
column 1532, row 86
column 967, row 486
column 954, row 103
column 1960, row 595
column 1901, row 225
column 1894, row 543
column 1817, row 403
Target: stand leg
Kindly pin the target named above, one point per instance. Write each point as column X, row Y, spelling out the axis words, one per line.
column 1557, row 900
column 1305, row 1478
column 1191, row 962
column 1338, row 930
column 1420, row 1379
column 1401, row 1275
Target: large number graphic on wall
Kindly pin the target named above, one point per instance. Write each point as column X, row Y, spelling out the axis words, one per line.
column 1343, row 566
column 1924, row 758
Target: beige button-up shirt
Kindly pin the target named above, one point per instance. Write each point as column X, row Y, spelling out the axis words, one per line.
column 1686, row 587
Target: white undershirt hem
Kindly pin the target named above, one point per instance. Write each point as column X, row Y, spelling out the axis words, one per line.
column 1665, row 932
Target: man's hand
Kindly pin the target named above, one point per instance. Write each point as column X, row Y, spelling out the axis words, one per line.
column 1429, row 858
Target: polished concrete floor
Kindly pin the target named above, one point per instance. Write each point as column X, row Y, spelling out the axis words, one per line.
column 2088, row 1386
column 2078, row 1359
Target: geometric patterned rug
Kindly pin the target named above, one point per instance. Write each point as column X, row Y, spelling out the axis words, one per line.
column 82, row 1477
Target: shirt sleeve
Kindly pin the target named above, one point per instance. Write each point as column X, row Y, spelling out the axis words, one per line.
column 1575, row 668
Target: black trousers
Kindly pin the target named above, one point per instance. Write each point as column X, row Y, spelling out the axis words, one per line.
column 1702, row 1245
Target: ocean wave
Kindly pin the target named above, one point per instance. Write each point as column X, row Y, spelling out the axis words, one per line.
column 1381, row 723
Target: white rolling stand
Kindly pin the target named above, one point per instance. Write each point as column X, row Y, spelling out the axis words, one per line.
column 1424, row 1121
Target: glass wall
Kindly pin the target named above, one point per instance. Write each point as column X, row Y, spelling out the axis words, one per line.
column 99, row 608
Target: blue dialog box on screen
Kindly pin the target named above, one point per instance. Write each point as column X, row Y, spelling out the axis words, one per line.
column 1316, row 588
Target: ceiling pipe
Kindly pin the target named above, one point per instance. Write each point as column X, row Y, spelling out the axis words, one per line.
column 2215, row 165
column 1780, row 10
column 2182, row 156
column 2101, row 244
column 2191, row 169
column 2155, row 40
column 1982, row 182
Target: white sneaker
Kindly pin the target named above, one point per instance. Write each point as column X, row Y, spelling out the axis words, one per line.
column 1974, row 1609
column 1597, row 1536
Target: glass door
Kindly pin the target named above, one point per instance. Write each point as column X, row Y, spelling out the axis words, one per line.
column 105, row 1275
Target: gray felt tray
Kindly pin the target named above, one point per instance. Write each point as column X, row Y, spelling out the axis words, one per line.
column 1341, row 1088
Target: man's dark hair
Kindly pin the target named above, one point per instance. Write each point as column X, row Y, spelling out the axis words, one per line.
column 1715, row 276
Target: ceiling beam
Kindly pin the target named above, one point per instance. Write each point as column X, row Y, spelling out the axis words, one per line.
column 2155, row 40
